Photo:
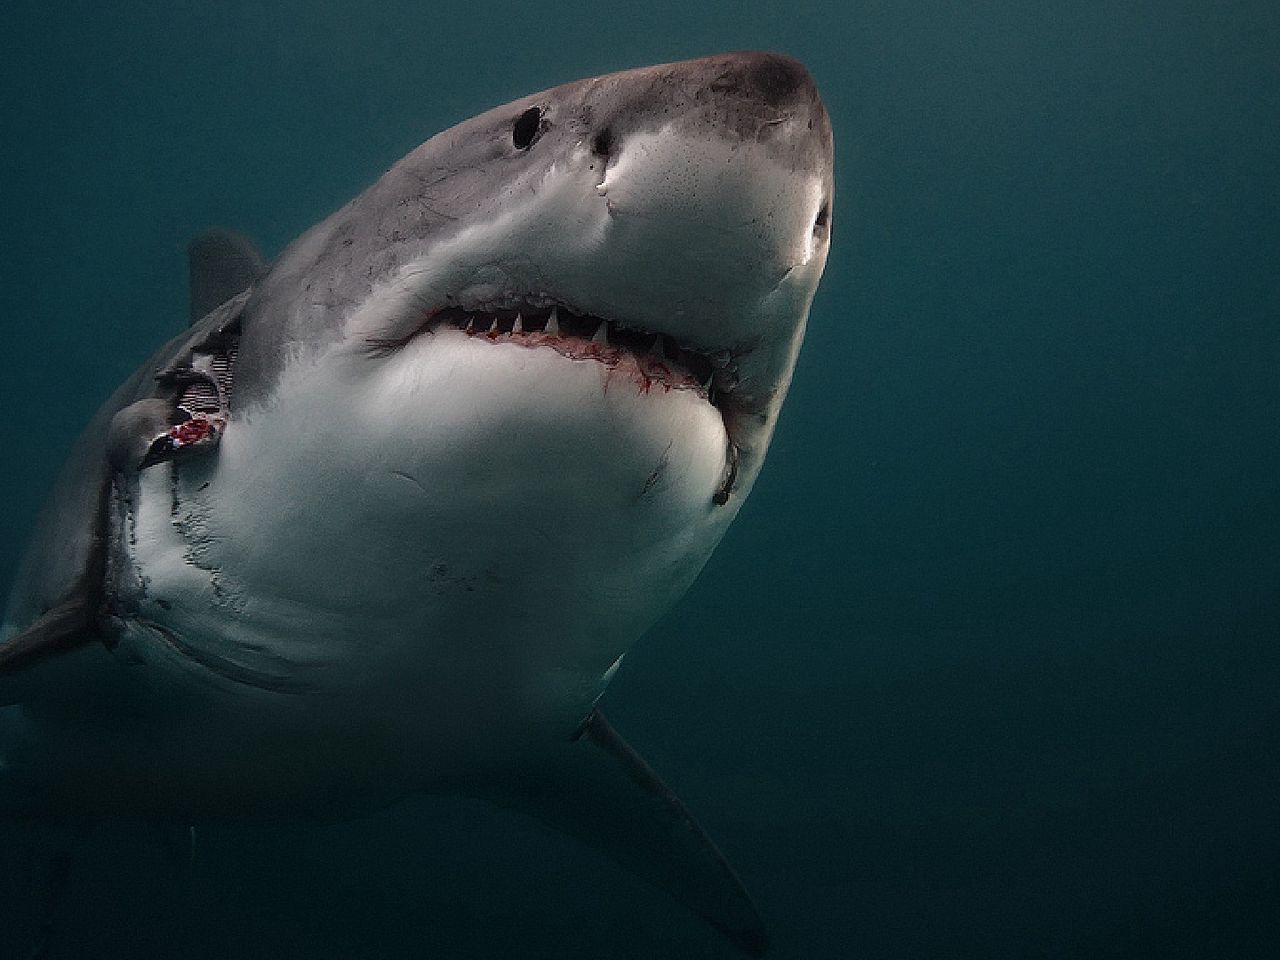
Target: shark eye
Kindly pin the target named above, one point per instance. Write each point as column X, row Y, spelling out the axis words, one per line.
column 528, row 128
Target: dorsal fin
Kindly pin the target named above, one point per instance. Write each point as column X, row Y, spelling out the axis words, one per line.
column 223, row 264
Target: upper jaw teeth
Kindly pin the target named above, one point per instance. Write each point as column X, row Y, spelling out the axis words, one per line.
column 542, row 319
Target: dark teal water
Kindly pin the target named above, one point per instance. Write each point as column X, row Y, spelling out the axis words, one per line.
column 989, row 665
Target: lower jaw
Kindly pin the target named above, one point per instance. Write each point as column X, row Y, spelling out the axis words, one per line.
column 648, row 372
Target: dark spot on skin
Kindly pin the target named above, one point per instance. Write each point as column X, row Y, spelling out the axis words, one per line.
column 175, row 504
column 731, row 477
column 163, row 604
column 205, row 485
column 774, row 80
column 823, row 222
column 527, row 128
column 602, row 144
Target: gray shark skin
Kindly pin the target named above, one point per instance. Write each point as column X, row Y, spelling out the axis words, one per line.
column 387, row 516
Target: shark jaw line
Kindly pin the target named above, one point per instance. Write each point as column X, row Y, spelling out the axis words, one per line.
column 651, row 357
column 650, row 360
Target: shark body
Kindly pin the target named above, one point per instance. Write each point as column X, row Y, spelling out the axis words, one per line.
column 387, row 516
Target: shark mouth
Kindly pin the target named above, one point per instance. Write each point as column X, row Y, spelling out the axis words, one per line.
column 650, row 359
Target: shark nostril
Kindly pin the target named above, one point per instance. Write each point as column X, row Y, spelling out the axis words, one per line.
column 602, row 143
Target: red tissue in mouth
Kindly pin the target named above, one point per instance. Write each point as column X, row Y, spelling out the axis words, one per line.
column 645, row 369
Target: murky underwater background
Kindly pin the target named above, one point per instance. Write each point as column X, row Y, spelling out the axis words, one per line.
column 988, row 666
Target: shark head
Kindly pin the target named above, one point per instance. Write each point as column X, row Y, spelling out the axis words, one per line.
column 492, row 417
column 677, row 215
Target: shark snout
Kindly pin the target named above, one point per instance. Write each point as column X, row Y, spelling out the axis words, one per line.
column 717, row 180
column 777, row 81
column 757, row 98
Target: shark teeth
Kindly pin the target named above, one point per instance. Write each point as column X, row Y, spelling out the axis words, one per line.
column 537, row 321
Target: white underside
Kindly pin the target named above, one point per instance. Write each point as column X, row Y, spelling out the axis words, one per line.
column 401, row 568
column 450, row 547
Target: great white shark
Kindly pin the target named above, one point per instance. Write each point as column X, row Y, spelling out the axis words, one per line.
column 386, row 517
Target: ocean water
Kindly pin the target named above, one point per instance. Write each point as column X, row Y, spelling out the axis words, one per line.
column 989, row 665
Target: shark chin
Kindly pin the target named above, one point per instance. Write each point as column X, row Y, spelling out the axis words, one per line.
column 521, row 514
column 388, row 515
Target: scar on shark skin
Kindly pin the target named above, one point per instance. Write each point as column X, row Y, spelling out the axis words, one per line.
column 652, row 480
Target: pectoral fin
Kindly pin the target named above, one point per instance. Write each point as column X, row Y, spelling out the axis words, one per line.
column 73, row 620
column 599, row 790
column 62, row 628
